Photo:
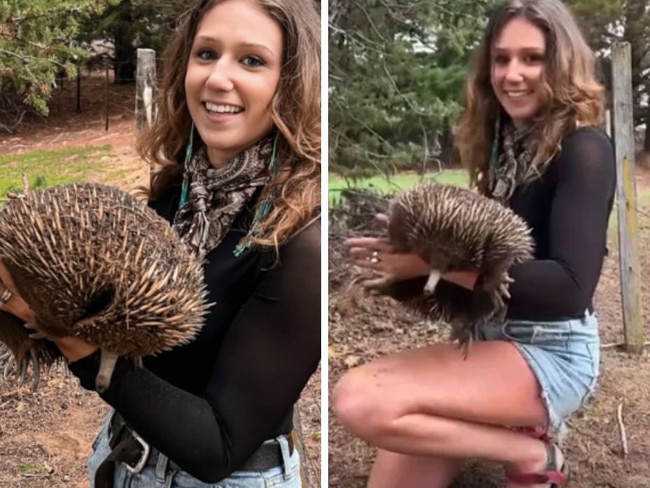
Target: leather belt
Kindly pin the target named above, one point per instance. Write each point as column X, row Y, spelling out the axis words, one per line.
column 135, row 453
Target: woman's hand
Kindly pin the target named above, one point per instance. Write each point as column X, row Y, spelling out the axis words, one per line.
column 14, row 303
column 72, row 348
column 380, row 256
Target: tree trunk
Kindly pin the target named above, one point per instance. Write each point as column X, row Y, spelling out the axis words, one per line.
column 124, row 65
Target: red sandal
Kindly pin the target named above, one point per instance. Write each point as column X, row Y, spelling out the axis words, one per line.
column 552, row 474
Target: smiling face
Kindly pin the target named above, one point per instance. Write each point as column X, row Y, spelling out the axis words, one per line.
column 232, row 74
column 518, row 61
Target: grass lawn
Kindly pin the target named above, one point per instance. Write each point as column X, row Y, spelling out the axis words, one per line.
column 401, row 181
column 48, row 168
column 454, row 177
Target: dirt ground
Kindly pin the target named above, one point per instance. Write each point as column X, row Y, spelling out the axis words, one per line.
column 363, row 328
column 46, row 436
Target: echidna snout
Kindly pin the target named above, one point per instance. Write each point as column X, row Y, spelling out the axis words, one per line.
column 434, row 277
column 107, row 364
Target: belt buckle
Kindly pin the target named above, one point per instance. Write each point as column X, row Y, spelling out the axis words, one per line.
column 143, row 458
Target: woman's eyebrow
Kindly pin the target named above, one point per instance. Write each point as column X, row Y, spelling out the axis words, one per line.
column 206, row 38
column 525, row 49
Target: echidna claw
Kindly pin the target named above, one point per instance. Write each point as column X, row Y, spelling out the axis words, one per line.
column 497, row 300
column 503, row 290
column 22, row 371
column 36, row 367
column 36, row 335
column 6, row 371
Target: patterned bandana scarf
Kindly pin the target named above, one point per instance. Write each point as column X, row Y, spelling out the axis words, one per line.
column 218, row 195
column 513, row 165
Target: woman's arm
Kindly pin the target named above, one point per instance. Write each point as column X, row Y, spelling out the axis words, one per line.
column 466, row 279
column 563, row 285
column 271, row 350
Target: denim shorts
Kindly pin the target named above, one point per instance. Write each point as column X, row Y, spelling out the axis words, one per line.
column 160, row 476
column 563, row 355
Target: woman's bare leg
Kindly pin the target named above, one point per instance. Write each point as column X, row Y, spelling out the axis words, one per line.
column 433, row 402
column 414, row 434
column 392, row 469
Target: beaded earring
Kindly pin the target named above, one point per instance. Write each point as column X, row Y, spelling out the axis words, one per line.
column 188, row 157
column 265, row 207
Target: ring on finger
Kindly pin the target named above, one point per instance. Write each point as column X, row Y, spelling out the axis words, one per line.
column 375, row 257
column 5, row 296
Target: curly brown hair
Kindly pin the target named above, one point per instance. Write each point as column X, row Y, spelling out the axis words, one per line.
column 295, row 111
column 571, row 94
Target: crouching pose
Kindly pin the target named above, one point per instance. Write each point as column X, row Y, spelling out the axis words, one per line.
column 530, row 138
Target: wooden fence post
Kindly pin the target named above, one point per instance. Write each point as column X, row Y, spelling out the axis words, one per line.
column 628, row 229
column 145, row 109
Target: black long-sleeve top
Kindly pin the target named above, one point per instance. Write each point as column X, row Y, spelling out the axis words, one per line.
column 210, row 404
column 568, row 210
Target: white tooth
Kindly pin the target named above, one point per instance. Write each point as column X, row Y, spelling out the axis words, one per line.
column 222, row 108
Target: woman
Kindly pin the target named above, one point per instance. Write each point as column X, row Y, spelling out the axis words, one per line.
column 238, row 139
column 529, row 137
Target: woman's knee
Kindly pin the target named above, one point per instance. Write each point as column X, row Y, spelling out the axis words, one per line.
column 357, row 406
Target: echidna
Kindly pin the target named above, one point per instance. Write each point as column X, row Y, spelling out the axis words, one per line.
column 456, row 229
column 95, row 263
